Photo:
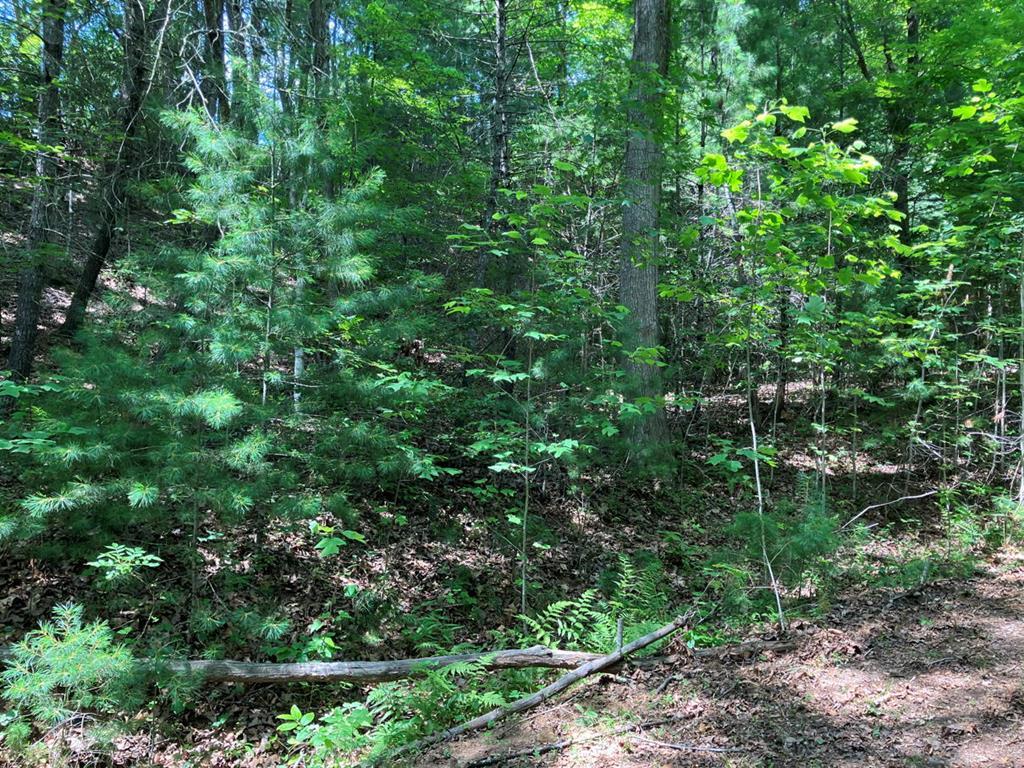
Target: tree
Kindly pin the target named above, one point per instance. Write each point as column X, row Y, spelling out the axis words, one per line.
column 138, row 73
column 642, row 171
column 33, row 274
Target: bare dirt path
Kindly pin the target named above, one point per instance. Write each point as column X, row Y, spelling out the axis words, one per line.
column 932, row 678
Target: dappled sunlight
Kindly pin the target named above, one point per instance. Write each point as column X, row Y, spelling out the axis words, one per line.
column 469, row 383
column 874, row 691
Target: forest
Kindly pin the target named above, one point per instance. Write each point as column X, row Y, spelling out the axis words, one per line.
column 466, row 383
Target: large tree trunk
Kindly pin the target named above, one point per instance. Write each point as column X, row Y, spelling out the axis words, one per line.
column 319, row 38
column 215, row 90
column 137, row 75
column 501, row 163
column 638, row 276
column 237, row 34
column 32, row 276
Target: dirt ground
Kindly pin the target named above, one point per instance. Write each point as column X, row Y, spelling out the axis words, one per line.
column 926, row 678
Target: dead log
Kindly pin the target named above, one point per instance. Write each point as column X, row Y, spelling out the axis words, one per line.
column 359, row 672
column 225, row 671
column 365, row 672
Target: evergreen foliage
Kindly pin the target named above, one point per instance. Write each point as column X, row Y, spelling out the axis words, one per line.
column 68, row 666
column 321, row 345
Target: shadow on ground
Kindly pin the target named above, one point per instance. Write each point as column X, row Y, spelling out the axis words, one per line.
column 932, row 678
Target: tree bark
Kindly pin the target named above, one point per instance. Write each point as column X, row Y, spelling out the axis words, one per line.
column 500, row 129
column 215, row 78
column 360, row 672
column 898, row 116
column 638, row 275
column 32, row 276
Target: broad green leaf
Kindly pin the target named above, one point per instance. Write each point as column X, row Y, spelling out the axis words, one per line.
column 849, row 125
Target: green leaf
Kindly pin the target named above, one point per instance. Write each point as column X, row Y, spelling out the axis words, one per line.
column 795, row 112
column 849, row 125
column 330, row 546
column 738, row 133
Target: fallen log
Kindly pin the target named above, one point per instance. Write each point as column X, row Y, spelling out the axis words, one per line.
column 365, row 672
column 226, row 671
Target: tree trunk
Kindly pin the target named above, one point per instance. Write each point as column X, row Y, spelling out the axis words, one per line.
column 32, row 276
column 500, row 129
column 638, row 277
column 319, row 36
column 782, row 361
column 137, row 75
column 215, row 77
column 237, row 49
column 900, row 118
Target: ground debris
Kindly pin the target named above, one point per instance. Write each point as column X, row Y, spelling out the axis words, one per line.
column 931, row 681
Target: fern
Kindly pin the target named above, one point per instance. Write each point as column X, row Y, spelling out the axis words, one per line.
column 637, row 596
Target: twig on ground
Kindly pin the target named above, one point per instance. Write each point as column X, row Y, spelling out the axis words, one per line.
column 686, row 747
column 665, row 684
column 864, row 511
column 555, row 746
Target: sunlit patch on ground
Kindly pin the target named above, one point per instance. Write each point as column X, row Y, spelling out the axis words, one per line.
column 933, row 680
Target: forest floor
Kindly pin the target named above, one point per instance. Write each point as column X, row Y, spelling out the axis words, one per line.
column 882, row 677
column 930, row 677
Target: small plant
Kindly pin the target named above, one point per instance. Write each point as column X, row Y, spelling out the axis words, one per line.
column 117, row 562
column 797, row 537
column 332, row 540
column 67, row 666
column 635, row 593
column 396, row 714
column 342, row 730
